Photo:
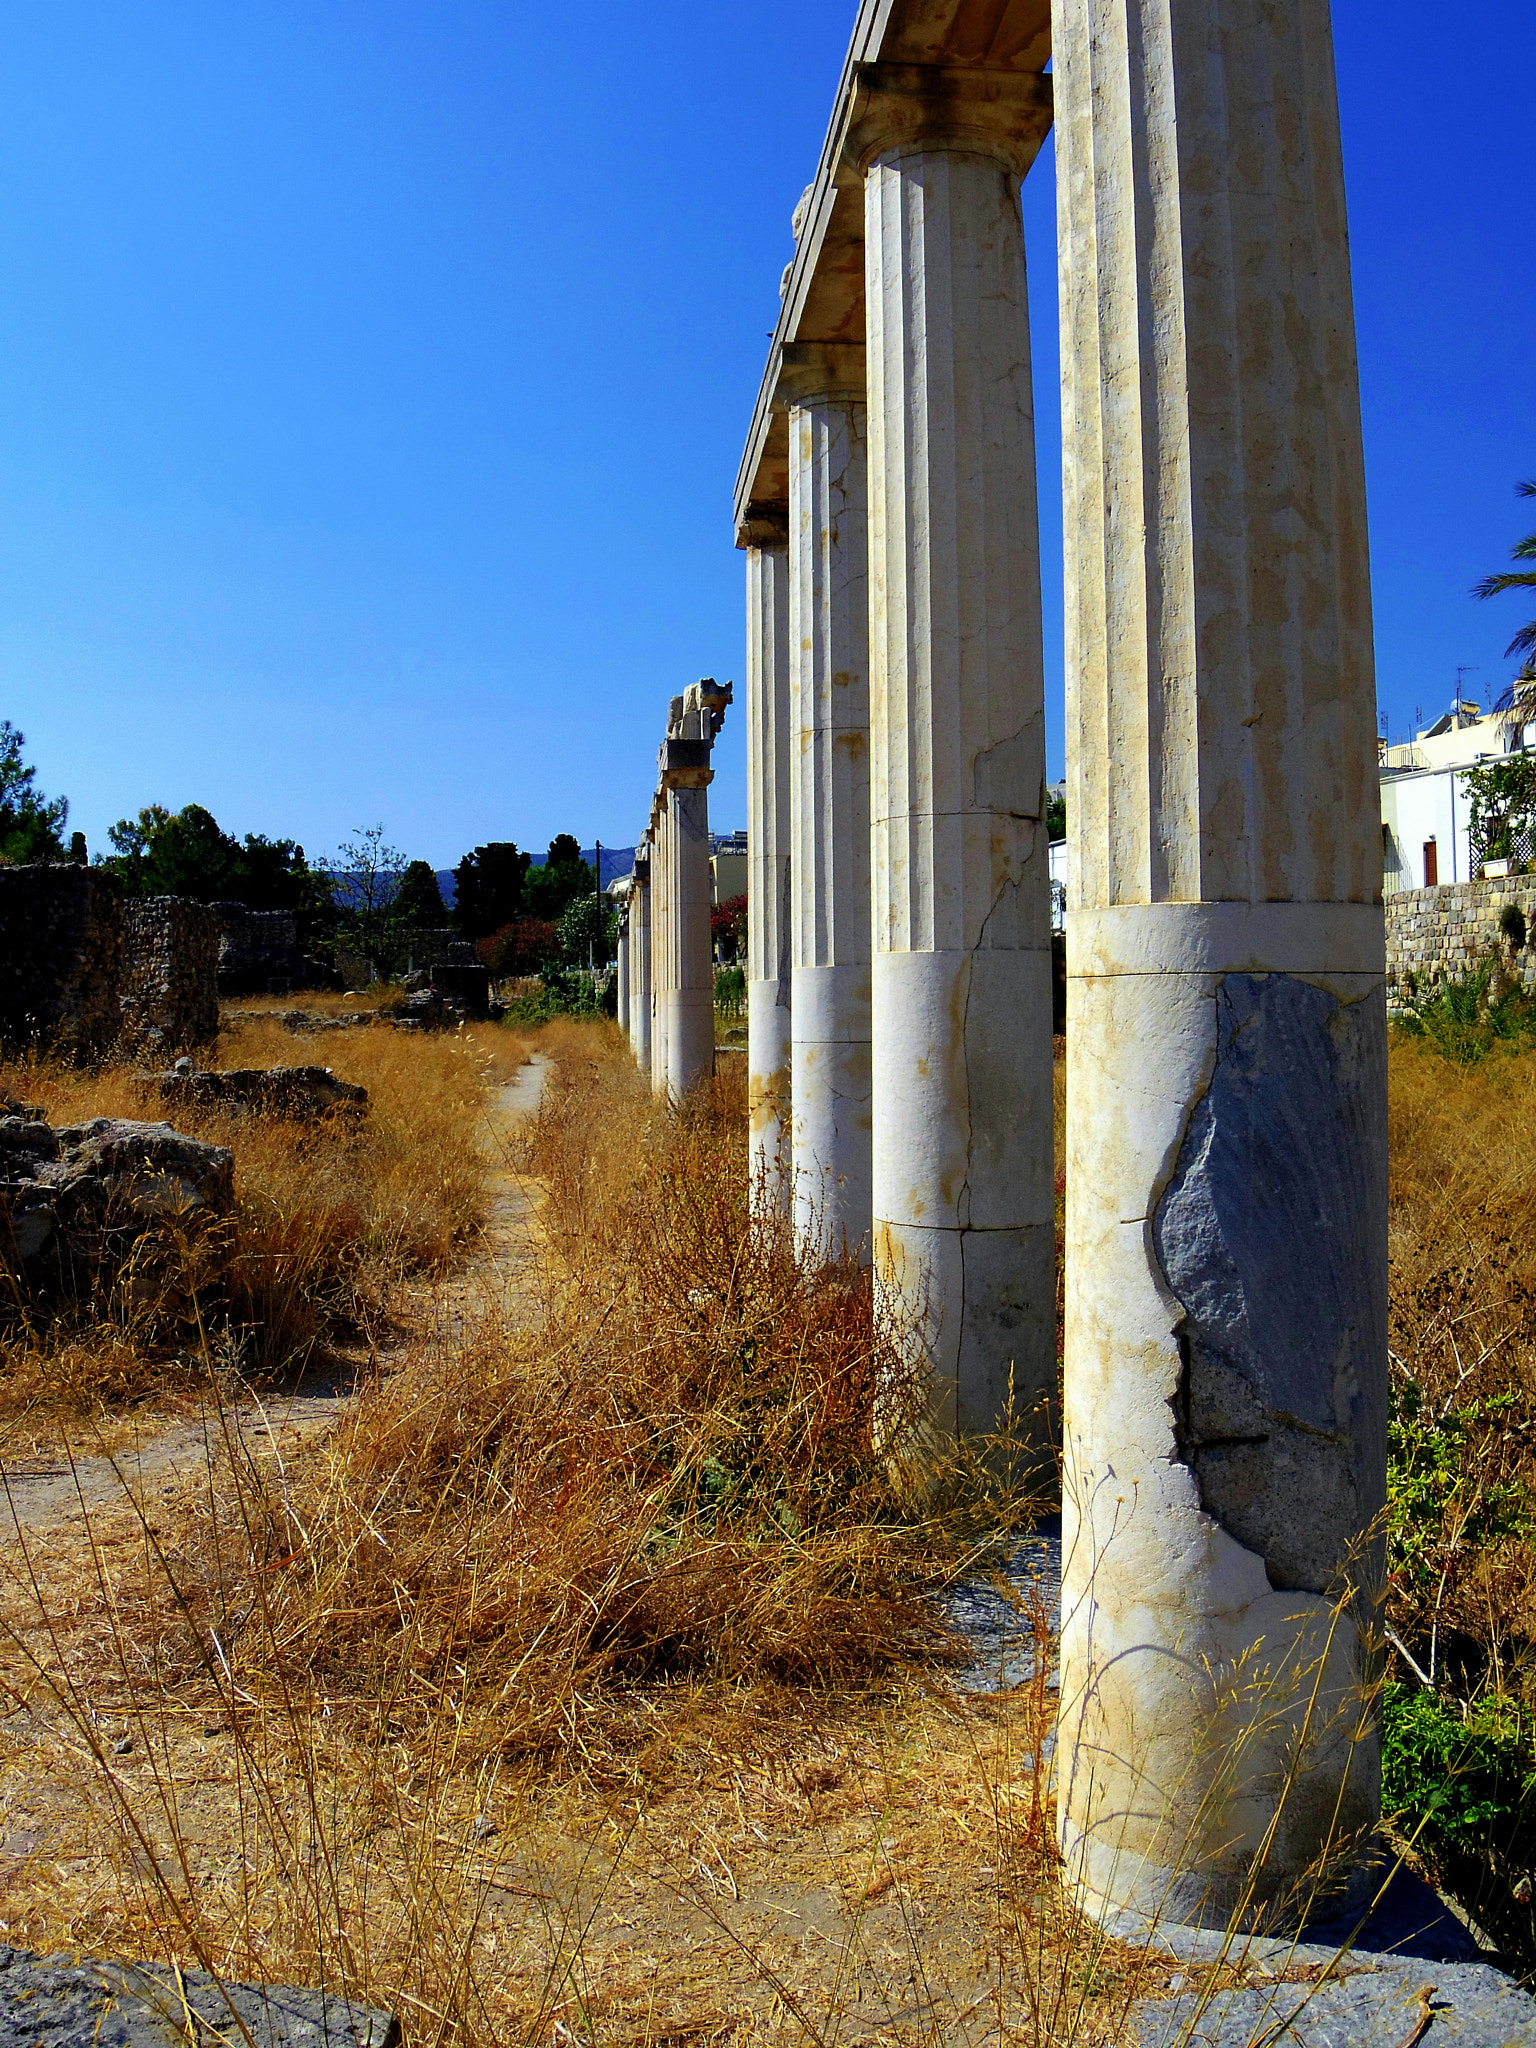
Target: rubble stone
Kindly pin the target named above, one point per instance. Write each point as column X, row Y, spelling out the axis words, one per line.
column 61, row 958
column 1438, row 934
column 171, row 970
column 300, row 1092
column 259, row 951
column 66, row 2002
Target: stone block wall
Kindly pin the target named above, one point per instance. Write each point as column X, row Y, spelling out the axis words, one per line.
column 171, row 970
column 258, row 951
column 1438, row 934
column 61, row 958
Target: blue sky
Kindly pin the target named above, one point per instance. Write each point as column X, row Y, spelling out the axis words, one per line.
column 374, row 377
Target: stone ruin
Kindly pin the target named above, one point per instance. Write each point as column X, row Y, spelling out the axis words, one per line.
column 259, row 952
column 61, row 959
column 295, row 1092
column 170, row 971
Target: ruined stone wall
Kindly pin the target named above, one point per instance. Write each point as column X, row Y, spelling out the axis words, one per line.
column 1438, row 934
column 61, row 958
column 171, row 970
column 258, row 951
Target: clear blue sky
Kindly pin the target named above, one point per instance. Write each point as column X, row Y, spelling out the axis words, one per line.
column 373, row 375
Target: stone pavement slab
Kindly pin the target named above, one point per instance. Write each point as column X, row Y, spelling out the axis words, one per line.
column 1389, row 2004
column 65, row 2002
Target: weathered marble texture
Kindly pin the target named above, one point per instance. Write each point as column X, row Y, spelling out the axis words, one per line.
column 661, row 919
column 768, row 877
column 1224, row 1432
column 621, row 974
column 640, row 960
column 691, row 1011
column 829, row 822
column 961, row 998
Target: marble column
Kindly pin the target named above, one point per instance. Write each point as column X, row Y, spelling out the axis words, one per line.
column 640, row 958
column 661, row 917
column 822, row 387
column 1226, row 1338
column 621, row 972
column 961, row 983
column 685, row 779
column 764, row 535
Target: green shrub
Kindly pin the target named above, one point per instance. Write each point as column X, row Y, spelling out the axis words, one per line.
column 1469, row 1016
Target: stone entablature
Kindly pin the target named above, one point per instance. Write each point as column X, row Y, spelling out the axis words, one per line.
column 1440, row 934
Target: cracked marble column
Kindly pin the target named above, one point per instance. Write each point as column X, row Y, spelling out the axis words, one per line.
column 661, row 902
column 822, row 387
column 640, row 958
column 765, row 536
column 1225, row 1420
column 964, row 1242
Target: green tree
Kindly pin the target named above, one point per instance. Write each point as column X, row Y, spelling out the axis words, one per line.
column 31, row 825
column 488, row 888
column 419, row 902
column 365, row 874
column 1524, row 642
column 565, row 876
column 1501, row 805
column 186, row 853
column 586, row 931
column 1056, row 818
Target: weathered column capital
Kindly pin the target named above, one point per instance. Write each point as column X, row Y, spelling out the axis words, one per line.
column 1005, row 114
column 684, row 764
column 819, row 369
column 765, row 526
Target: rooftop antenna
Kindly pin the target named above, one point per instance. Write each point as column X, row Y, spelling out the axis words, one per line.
column 1466, row 668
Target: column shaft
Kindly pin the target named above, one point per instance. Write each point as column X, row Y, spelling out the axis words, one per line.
column 829, row 823
column 1226, row 1209
column 768, row 873
column 640, row 962
column 963, row 1194
column 661, row 919
column 621, row 974
column 691, row 1021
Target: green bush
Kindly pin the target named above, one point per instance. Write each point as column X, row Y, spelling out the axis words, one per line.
column 730, row 989
column 1466, row 1018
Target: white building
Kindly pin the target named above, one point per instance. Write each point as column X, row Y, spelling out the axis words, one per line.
column 1425, row 809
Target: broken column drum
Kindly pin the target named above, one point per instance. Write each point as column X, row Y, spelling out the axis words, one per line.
column 961, row 983
column 1226, row 1334
column 830, row 1086
column 765, row 538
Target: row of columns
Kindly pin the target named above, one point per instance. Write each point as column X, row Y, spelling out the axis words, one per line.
column 665, row 966
column 1225, row 1338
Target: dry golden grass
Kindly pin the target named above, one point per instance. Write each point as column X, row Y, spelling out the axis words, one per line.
column 331, row 1218
column 584, row 1685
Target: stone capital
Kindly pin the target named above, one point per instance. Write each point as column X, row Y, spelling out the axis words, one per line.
column 766, row 525
column 684, row 764
column 1005, row 114
column 819, row 369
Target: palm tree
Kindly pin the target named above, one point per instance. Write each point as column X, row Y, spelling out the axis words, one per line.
column 1524, row 642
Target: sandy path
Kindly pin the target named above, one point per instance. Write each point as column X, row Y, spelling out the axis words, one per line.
column 48, row 1495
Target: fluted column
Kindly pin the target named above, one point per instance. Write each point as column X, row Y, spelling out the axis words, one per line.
column 823, row 388
column 768, row 971
column 640, row 958
column 661, row 918
column 1226, row 1337
column 961, row 984
column 621, row 972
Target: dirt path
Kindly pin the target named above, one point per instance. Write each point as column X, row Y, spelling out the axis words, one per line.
column 48, row 1495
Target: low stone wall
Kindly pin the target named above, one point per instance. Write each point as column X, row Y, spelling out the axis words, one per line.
column 171, row 971
column 61, row 958
column 1438, row 934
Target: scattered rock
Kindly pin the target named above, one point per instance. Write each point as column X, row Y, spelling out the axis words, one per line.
column 65, row 2003
column 77, row 1202
column 298, row 1092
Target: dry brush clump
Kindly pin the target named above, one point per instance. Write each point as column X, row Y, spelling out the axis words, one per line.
column 663, row 1473
column 331, row 1218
